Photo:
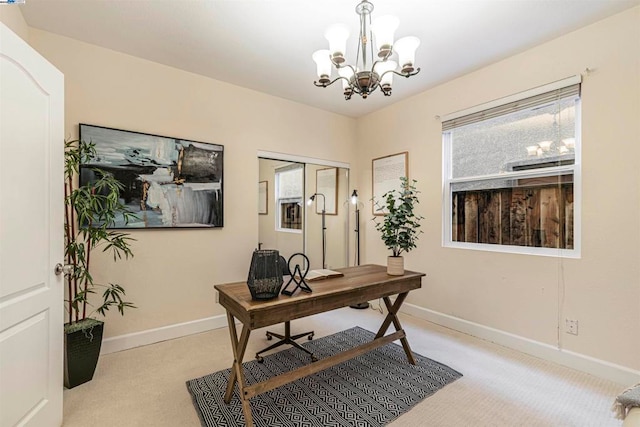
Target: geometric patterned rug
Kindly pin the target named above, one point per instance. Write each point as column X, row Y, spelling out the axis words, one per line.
column 370, row 390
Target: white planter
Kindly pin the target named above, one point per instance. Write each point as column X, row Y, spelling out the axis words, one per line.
column 395, row 265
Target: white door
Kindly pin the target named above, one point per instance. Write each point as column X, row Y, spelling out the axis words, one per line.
column 31, row 239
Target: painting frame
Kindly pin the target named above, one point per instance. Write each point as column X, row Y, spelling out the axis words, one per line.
column 327, row 185
column 263, row 197
column 385, row 176
column 168, row 182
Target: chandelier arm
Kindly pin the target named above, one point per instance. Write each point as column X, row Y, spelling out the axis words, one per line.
column 330, row 83
column 373, row 67
column 413, row 73
column 407, row 75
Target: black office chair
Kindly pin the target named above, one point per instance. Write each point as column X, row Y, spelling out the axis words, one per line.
column 287, row 338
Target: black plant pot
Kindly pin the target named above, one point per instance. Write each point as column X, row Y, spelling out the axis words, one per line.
column 81, row 351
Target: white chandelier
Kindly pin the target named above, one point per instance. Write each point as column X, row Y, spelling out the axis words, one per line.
column 365, row 77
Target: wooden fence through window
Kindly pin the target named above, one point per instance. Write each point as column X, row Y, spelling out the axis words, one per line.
column 539, row 216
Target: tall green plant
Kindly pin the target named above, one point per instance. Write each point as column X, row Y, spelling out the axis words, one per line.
column 400, row 226
column 90, row 210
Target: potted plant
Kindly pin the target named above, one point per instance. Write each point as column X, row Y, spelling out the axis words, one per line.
column 400, row 226
column 90, row 210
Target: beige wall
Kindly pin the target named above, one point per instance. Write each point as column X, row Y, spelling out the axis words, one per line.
column 172, row 275
column 11, row 16
column 520, row 294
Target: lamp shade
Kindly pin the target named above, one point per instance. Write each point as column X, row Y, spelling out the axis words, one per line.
column 383, row 67
column 346, row 72
column 323, row 62
column 383, row 29
column 545, row 145
column 406, row 50
column 354, row 197
column 337, row 35
column 532, row 150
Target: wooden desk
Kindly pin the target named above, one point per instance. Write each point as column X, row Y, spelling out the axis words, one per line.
column 362, row 283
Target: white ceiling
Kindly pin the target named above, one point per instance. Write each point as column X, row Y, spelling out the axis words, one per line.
column 266, row 45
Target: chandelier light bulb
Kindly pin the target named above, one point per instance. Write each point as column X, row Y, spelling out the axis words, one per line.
column 406, row 50
column 323, row 65
column 545, row 145
column 383, row 30
column 337, row 35
column 347, row 73
column 381, row 68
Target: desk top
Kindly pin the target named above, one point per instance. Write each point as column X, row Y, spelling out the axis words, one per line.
column 359, row 284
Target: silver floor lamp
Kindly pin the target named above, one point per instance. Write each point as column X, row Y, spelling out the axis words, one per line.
column 355, row 202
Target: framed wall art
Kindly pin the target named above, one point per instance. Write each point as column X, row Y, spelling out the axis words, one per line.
column 263, row 197
column 386, row 173
column 327, row 184
column 167, row 182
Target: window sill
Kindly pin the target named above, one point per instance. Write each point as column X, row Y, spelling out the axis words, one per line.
column 288, row 230
column 522, row 250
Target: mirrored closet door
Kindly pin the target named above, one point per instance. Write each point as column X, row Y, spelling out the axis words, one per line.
column 291, row 200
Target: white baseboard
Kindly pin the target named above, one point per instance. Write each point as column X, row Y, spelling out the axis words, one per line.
column 151, row 336
column 600, row 368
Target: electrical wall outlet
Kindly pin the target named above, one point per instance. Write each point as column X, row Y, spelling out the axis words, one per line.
column 571, row 326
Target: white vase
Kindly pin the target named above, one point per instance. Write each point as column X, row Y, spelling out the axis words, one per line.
column 395, row 265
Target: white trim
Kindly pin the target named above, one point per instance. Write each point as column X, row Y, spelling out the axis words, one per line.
column 446, row 188
column 301, row 159
column 533, row 173
column 164, row 333
column 515, row 97
column 600, row 368
column 511, row 249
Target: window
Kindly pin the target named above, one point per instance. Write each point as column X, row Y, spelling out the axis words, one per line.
column 289, row 194
column 512, row 173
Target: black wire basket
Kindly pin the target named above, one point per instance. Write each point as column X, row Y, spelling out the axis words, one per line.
column 265, row 274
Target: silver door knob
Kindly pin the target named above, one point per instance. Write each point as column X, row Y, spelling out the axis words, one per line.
column 66, row 269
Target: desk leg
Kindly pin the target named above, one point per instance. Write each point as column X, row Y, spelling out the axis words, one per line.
column 392, row 317
column 236, row 374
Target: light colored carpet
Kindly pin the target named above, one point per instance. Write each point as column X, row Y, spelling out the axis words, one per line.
column 500, row 387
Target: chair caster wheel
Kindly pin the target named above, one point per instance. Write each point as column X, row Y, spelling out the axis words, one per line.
column 269, row 337
column 259, row 359
column 313, row 358
column 310, row 337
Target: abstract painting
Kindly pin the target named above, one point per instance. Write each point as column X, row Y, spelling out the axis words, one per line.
column 168, row 182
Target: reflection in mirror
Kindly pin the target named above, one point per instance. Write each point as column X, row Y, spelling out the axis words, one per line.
column 287, row 223
column 331, row 186
column 280, row 225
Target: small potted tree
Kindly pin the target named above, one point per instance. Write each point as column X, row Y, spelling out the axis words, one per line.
column 90, row 210
column 400, row 226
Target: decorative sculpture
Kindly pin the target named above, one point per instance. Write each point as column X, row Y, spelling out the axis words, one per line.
column 297, row 276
